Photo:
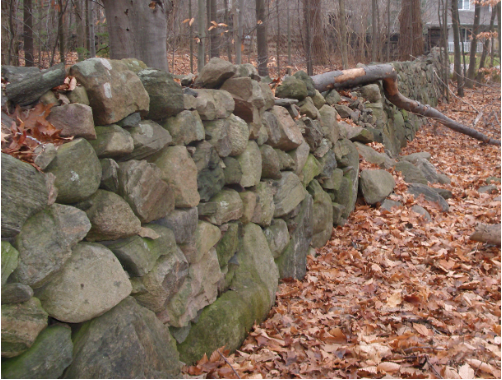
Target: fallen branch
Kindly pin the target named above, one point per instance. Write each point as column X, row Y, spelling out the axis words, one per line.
column 487, row 233
column 387, row 74
column 226, row 361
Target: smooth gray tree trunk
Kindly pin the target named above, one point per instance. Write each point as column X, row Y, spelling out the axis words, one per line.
column 28, row 32
column 457, row 65
column 261, row 38
column 343, row 34
column 138, row 30
column 471, row 73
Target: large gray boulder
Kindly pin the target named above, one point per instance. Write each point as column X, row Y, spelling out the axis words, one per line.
column 376, row 185
column 114, row 91
column 251, row 165
column 215, row 72
column 51, row 353
column 45, row 243
column 91, row 283
column 141, row 186
column 179, row 171
column 312, row 133
column 329, row 124
column 109, row 176
column 283, row 132
column 214, row 104
column 73, row 120
column 149, row 138
column 289, row 194
column 429, row 194
column 217, row 134
column 292, row 87
column 430, row 172
column 10, row 260
column 24, row 193
column 138, row 255
column 126, row 342
column 182, row 221
column 77, row 170
column 277, row 237
column 166, row 96
column 112, row 141
column 21, row 324
column 299, row 157
column 185, row 127
column 371, row 92
column 293, row 260
column 410, row 172
column 271, row 165
column 238, row 133
column 111, row 217
column 154, row 289
column 228, row 244
column 305, row 78
column 222, row 208
column 322, row 215
column 374, row 157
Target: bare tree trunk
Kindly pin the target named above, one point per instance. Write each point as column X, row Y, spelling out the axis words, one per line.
column 457, row 74
column 411, row 43
column 114, row 38
column 61, row 35
column 261, row 38
column 28, row 32
column 389, row 31
column 278, row 40
column 486, row 48
column 315, row 30
column 215, row 40
column 308, row 42
column 386, row 73
column 227, row 43
column 374, row 47
column 13, row 51
column 191, row 34
column 471, row 73
column 498, row 9
column 201, row 25
column 443, row 24
column 289, row 39
column 343, row 34
column 238, row 31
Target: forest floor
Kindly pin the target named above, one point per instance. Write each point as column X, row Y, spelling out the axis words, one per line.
column 390, row 295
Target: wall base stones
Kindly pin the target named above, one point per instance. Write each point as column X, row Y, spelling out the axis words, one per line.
column 193, row 205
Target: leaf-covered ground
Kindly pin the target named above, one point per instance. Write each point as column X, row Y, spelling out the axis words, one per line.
column 390, row 295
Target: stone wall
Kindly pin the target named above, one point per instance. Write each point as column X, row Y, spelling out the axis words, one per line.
column 161, row 231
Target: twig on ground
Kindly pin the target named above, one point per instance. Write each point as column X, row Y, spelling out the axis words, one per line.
column 226, row 361
column 433, row 368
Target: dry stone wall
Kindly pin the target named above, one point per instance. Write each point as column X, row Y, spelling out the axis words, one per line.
column 161, row 231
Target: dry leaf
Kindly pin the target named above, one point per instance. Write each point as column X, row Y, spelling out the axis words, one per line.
column 466, row 372
column 422, row 329
column 388, row 367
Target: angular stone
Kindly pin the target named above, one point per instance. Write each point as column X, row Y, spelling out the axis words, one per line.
column 308, row 108
column 283, row 133
column 389, row 204
column 130, row 121
column 214, row 104
column 300, row 156
column 292, row 87
column 10, row 260
column 415, row 156
column 312, row 133
column 262, row 136
column 74, row 180
column 251, row 165
column 158, row 286
column 362, row 135
column 344, row 195
column 329, row 125
column 287, row 161
column 249, row 205
column 222, row 208
column 44, row 155
column 318, row 100
column 322, row 215
column 140, row 185
column 228, row 244
column 73, row 120
column 376, row 185
column 206, row 237
column 45, row 243
column 149, row 138
column 215, row 72
column 91, row 283
column 180, row 173
column 166, row 96
column 328, row 165
column 430, row 173
column 232, row 171
column 111, row 217
column 238, row 133
column 305, row 78
column 410, row 172
column 429, row 194
column 16, row 293
column 265, row 206
column 114, row 91
column 109, row 177
column 333, row 97
column 126, row 342
column 338, row 210
column 185, row 127
column 311, row 169
column 277, row 237
column 79, row 96
column 447, row 194
column 217, row 134
column 183, row 222
column 422, row 211
column 46, row 359
column 21, row 324
column 248, row 70
column 371, row 92
column 138, row 255
column 290, row 192
column 270, row 163
column 268, row 96
column 133, row 64
column 374, row 157
column 24, row 192
column 293, row 260
column 112, row 141
column 344, row 111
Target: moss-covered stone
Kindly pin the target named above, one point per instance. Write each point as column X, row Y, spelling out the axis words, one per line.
column 227, row 246
column 311, row 170
column 10, row 260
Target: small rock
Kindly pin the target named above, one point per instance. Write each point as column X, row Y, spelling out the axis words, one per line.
column 16, row 293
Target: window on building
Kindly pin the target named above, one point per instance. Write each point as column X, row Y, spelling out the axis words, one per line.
column 464, row 5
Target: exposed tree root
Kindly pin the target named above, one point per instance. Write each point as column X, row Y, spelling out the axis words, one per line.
column 387, row 74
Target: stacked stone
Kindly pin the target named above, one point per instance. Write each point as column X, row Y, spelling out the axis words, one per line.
column 161, row 231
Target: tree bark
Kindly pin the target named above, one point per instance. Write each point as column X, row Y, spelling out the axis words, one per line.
column 486, row 47
column 190, row 27
column 374, row 47
column 308, row 38
column 201, row 26
column 213, row 33
column 471, row 73
column 117, row 38
column 28, row 32
column 411, row 43
column 386, row 73
column 487, row 233
column 457, row 75
column 138, row 30
column 261, row 38
column 343, row 34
